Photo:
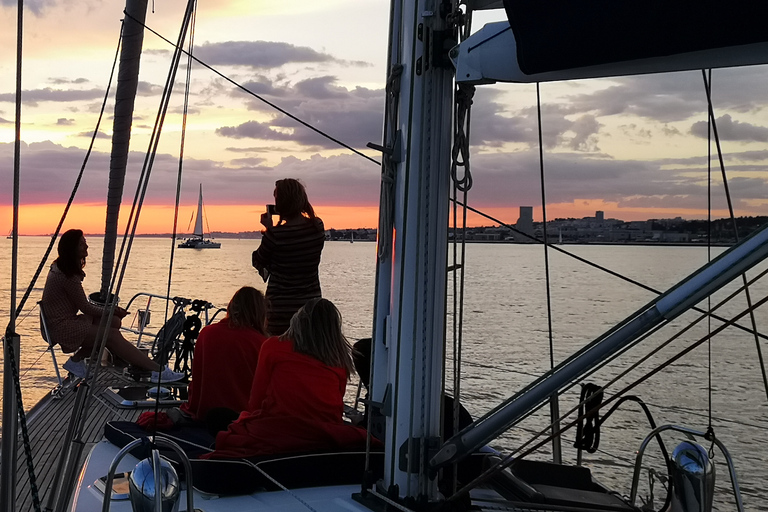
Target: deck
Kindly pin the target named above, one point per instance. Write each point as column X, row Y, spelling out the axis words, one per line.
column 47, row 423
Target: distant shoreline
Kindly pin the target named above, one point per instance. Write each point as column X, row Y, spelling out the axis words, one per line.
column 257, row 236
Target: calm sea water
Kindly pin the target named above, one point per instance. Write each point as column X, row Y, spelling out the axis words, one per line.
column 506, row 337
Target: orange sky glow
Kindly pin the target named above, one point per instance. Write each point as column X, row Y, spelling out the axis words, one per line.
column 41, row 219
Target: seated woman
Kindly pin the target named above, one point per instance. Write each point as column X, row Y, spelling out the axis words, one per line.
column 297, row 396
column 225, row 359
column 63, row 297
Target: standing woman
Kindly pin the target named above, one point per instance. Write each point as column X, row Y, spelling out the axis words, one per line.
column 63, row 297
column 289, row 254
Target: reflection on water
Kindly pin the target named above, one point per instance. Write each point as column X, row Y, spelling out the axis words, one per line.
column 506, row 339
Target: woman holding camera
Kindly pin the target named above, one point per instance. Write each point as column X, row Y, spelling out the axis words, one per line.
column 289, row 255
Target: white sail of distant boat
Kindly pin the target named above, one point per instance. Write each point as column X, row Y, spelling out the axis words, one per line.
column 198, row 240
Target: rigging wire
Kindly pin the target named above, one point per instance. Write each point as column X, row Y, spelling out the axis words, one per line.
column 747, row 296
column 178, row 177
column 116, row 280
column 460, row 158
column 474, row 210
column 622, row 374
column 553, row 400
column 709, row 252
column 258, row 97
column 523, row 451
column 603, row 268
column 17, row 309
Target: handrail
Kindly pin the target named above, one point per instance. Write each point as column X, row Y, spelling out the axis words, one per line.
column 155, row 454
column 689, row 432
column 141, row 331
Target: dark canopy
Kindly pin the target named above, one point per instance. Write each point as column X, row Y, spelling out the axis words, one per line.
column 554, row 35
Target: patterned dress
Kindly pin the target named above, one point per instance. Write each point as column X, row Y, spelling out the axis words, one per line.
column 288, row 258
column 62, row 298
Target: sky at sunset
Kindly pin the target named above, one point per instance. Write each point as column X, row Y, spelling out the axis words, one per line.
column 635, row 148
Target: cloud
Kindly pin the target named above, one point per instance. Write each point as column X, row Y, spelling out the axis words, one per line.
column 252, row 130
column 62, row 81
column 5, row 121
column 63, row 121
column 148, row 89
column 36, row 7
column 262, row 54
column 671, row 97
column 99, row 135
column 353, row 116
column 500, row 179
column 503, row 179
column 728, row 129
column 33, row 96
column 247, row 162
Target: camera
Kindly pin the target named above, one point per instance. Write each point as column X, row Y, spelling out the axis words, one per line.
column 271, row 209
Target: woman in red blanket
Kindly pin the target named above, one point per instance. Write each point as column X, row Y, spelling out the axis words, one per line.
column 225, row 357
column 297, row 396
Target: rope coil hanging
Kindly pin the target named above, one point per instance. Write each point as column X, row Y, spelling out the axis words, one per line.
column 388, row 161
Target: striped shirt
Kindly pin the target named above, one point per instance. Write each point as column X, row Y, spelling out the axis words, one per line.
column 290, row 255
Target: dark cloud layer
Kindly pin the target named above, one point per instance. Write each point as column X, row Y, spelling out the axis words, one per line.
column 36, row 7
column 33, row 96
column 728, row 129
column 500, row 179
column 353, row 116
column 261, row 54
column 677, row 96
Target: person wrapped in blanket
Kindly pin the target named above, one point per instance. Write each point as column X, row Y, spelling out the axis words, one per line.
column 296, row 403
column 223, row 367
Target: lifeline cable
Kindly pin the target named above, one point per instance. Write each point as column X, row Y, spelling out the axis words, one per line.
column 508, row 460
column 602, row 268
column 747, row 296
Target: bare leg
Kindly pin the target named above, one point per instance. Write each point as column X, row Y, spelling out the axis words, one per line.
column 119, row 347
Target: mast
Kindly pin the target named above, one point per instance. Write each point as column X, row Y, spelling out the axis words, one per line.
column 199, row 220
column 409, row 324
column 127, row 84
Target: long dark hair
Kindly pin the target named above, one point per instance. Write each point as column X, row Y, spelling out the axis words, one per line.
column 248, row 308
column 291, row 199
column 316, row 331
column 69, row 261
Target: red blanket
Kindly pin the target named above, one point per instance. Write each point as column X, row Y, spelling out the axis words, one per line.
column 296, row 406
column 222, row 369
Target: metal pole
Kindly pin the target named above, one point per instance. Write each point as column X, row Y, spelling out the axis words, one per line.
column 10, row 411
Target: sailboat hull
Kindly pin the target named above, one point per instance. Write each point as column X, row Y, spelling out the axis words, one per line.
column 198, row 243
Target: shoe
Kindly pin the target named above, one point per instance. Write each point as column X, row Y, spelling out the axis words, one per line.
column 167, row 375
column 76, row 368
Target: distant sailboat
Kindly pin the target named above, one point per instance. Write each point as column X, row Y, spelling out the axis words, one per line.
column 10, row 235
column 197, row 240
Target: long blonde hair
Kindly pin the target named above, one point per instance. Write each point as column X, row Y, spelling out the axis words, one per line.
column 316, row 331
column 248, row 308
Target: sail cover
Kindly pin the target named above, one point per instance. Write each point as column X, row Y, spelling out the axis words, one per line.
column 554, row 35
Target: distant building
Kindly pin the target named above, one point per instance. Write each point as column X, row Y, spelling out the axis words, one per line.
column 599, row 216
column 525, row 223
